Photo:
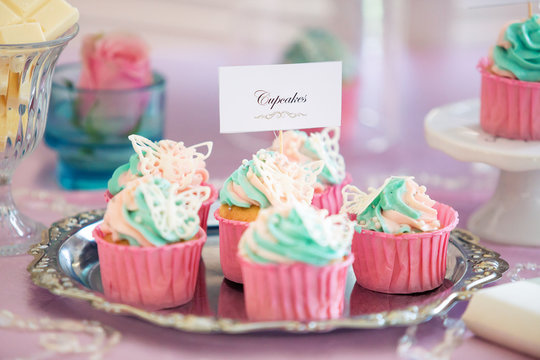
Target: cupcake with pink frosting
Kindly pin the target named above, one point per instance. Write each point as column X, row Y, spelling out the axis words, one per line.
column 302, row 148
column 269, row 178
column 150, row 243
column 401, row 237
column 510, row 95
column 294, row 260
column 171, row 160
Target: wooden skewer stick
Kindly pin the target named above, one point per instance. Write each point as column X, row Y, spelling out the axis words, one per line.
column 530, row 9
column 281, row 141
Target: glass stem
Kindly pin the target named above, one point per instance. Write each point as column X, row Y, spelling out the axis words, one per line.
column 17, row 232
column 7, row 206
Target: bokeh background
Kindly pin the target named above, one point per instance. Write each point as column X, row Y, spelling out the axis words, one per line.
column 411, row 56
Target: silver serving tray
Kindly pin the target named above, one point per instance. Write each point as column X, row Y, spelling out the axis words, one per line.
column 67, row 264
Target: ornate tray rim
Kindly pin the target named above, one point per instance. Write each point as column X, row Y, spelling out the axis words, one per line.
column 483, row 266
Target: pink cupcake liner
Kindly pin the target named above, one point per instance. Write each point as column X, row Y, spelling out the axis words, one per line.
column 509, row 108
column 230, row 232
column 151, row 277
column 294, row 292
column 199, row 304
column 203, row 211
column 331, row 198
column 405, row 263
column 205, row 208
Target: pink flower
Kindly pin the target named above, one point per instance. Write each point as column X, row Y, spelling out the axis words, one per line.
column 115, row 67
column 114, row 61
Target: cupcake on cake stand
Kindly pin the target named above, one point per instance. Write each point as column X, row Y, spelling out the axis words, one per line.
column 511, row 215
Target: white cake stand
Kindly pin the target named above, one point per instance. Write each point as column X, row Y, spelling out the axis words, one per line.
column 512, row 215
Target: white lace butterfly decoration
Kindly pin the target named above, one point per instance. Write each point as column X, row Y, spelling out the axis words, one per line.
column 170, row 159
column 334, row 231
column 175, row 215
column 286, row 181
column 326, row 145
column 356, row 201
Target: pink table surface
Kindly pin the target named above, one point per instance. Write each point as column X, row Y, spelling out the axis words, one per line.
column 142, row 341
column 189, row 104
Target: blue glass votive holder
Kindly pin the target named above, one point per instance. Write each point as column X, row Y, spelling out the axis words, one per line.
column 89, row 128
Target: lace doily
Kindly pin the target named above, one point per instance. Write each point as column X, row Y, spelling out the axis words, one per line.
column 63, row 337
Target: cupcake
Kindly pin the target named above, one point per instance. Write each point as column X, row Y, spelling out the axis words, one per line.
column 150, row 242
column 294, row 260
column 302, row 148
column 267, row 179
column 170, row 160
column 510, row 97
column 401, row 236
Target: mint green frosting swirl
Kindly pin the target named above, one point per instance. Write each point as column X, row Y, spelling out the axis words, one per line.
column 390, row 198
column 316, row 45
column 113, row 185
column 523, row 57
column 239, row 178
column 298, row 236
column 141, row 218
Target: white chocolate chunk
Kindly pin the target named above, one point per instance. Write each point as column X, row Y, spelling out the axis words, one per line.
column 508, row 314
column 4, row 74
column 12, row 102
column 17, row 62
column 55, row 17
column 21, row 34
column 3, row 122
column 7, row 16
column 23, row 7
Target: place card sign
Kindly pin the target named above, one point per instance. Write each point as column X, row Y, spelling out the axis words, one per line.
column 279, row 97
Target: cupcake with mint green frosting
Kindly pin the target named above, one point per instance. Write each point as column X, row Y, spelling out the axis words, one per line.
column 171, row 160
column 267, row 179
column 302, row 148
column 511, row 82
column 400, row 206
column 401, row 236
column 290, row 257
column 150, row 243
column 517, row 52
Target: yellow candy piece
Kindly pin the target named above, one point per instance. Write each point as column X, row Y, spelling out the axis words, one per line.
column 20, row 20
column 4, row 74
column 55, row 17
column 23, row 7
column 3, row 122
column 21, row 34
column 8, row 16
column 12, row 102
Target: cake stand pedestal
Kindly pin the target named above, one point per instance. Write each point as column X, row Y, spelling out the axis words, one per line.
column 512, row 215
